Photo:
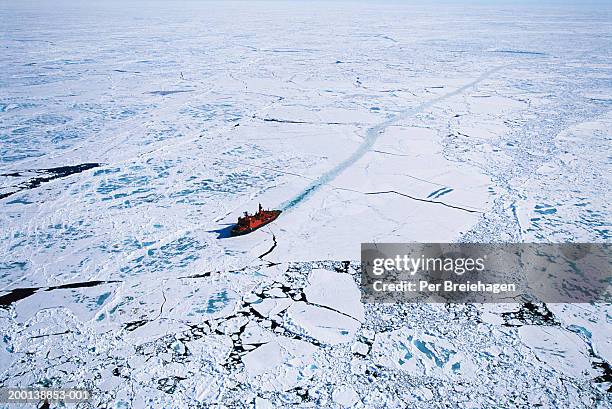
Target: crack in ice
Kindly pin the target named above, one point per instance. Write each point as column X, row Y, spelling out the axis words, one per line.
column 425, row 200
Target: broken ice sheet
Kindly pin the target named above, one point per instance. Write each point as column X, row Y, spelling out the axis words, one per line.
column 328, row 315
column 560, row 349
column 336, row 291
column 324, row 325
column 422, row 354
column 281, row 364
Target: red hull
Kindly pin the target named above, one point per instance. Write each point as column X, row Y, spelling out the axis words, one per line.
column 250, row 223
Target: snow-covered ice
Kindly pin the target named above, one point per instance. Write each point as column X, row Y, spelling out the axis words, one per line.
column 133, row 134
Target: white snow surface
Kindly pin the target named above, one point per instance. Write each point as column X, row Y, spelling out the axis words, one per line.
column 382, row 121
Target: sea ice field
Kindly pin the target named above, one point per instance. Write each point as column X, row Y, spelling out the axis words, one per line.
column 133, row 134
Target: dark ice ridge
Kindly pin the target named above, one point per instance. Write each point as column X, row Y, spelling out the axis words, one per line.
column 21, row 293
column 170, row 92
column 46, row 175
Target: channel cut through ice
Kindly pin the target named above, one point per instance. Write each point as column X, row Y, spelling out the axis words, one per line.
column 133, row 134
